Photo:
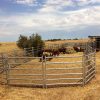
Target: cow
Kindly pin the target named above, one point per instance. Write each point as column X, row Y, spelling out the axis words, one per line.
column 77, row 48
column 62, row 50
column 45, row 54
column 55, row 53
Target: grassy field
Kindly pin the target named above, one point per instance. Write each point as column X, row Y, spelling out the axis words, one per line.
column 7, row 46
column 65, row 41
column 89, row 92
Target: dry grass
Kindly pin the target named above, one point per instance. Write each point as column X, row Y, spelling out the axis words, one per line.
column 90, row 92
column 7, row 46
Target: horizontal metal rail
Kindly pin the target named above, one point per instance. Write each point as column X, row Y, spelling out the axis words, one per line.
column 64, row 68
column 25, row 69
column 26, row 84
column 64, row 74
column 65, row 56
column 24, row 57
column 63, row 62
column 24, row 79
column 24, row 63
column 25, row 74
column 64, row 79
column 79, row 83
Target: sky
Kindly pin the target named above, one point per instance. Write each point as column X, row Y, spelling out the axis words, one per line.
column 63, row 19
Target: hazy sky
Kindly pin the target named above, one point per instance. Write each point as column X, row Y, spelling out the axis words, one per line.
column 49, row 18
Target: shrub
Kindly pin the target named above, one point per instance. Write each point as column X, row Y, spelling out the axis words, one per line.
column 22, row 42
column 34, row 40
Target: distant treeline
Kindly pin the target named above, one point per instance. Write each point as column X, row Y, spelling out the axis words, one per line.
column 61, row 39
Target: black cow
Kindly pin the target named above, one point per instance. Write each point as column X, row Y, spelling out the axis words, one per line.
column 62, row 50
column 55, row 53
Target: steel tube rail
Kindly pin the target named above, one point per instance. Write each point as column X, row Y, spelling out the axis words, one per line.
column 90, row 54
column 90, row 78
column 25, row 74
column 24, row 57
column 63, row 62
column 26, row 84
column 65, row 57
column 64, row 79
column 25, row 79
column 64, row 74
column 92, row 68
column 25, row 63
column 89, row 65
column 64, row 68
column 25, row 69
column 90, row 73
column 79, row 83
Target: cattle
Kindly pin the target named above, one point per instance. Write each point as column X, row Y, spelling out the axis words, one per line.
column 78, row 49
column 62, row 50
column 48, row 50
column 45, row 54
column 52, row 52
column 55, row 53
column 81, row 49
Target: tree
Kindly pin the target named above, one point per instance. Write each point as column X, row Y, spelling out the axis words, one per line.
column 34, row 40
column 22, row 42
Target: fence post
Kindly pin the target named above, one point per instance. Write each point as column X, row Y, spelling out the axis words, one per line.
column 84, row 68
column 7, row 69
column 43, row 71
column 33, row 51
column 15, row 54
column 44, row 58
column 95, row 60
column 25, row 52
